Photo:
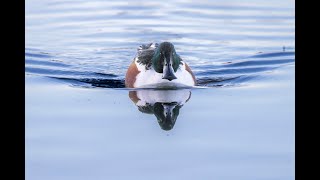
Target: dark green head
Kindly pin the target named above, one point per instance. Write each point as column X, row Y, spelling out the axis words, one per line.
column 166, row 61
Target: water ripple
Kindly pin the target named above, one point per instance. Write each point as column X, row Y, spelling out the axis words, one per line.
column 93, row 42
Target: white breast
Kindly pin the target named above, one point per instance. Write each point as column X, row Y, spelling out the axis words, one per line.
column 150, row 78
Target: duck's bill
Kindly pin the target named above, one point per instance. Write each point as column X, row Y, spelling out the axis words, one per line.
column 168, row 73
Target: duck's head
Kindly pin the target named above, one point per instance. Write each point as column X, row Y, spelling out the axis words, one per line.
column 166, row 61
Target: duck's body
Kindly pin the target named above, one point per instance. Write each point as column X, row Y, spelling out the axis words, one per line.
column 158, row 66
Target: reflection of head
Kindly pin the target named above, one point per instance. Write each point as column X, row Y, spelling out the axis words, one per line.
column 165, row 105
column 166, row 114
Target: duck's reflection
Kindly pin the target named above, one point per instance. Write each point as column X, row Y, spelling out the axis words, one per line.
column 164, row 104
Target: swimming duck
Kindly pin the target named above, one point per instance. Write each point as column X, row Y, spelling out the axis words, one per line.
column 158, row 65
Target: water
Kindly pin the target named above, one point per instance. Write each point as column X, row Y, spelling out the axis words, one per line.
column 81, row 123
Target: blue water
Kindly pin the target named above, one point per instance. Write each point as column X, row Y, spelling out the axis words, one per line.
column 81, row 123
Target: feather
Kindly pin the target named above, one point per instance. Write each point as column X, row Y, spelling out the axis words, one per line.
column 145, row 54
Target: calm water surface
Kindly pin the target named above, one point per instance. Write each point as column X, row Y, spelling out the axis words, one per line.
column 81, row 123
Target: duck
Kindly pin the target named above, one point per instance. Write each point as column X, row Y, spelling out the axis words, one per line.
column 158, row 65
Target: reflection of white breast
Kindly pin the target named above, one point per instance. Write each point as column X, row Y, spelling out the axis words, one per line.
column 163, row 96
